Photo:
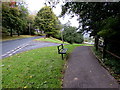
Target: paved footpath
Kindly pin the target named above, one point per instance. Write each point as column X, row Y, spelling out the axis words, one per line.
column 84, row 71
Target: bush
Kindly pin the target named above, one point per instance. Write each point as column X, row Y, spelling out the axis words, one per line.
column 57, row 36
column 113, row 63
column 71, row 35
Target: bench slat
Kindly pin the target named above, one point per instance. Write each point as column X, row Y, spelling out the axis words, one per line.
column 63, row 51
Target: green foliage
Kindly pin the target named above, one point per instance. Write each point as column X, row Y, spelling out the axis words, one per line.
column 47, row 21
column 113, row 63
column 71, row 35
column 111, row 31
column 25, row 19
column 102, row 18
column 14, row 18
column 5, row 31
column 30, row 28
column 94, row 14
column 109, row 27
column 52, row 40
column 10, row 18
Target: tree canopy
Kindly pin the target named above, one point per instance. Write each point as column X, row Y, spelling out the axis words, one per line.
column 14, row 18
column 93, row 14
column 47, row 21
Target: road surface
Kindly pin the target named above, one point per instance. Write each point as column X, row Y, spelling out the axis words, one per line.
column 12, row 47
column 12, row 44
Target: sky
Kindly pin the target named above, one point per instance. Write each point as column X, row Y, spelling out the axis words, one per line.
column 35, row 5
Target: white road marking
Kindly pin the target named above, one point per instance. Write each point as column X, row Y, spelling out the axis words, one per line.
column 9, row 53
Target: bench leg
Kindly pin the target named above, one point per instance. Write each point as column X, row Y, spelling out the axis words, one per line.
column 62, row 56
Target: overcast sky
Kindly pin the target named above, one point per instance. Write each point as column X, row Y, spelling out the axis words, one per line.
column 35, row 5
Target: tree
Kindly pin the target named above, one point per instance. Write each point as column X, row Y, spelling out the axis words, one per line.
column 95, row 15
column 47, row 21
column 14, row 18
column 30, row 21
column 10, row 17
column 91, row 14
column 71, row 35
column 24, row 15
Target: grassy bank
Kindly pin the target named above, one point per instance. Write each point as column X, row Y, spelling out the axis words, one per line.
column 53, row 40
column 39, row 68
column 5, row 38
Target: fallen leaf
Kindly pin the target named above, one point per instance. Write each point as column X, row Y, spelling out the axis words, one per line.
column 25, row 87
column 30, row 76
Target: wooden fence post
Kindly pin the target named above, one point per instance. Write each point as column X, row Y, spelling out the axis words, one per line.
column 104, row 48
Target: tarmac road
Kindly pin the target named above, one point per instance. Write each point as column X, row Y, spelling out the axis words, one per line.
column 12, row 47
column 12, row 44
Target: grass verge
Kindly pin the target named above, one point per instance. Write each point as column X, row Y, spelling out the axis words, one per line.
column 5, row 38
column 38, row 68
column 53, row 40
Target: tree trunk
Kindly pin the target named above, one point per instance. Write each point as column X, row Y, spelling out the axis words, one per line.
column 18, row 33
column 11, row 32
column 40, row 30
column 96, row 42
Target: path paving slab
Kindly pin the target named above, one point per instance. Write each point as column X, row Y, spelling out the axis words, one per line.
column 84, row 71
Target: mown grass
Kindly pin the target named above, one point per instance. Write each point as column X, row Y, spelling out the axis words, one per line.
column 5, row 38
column 84, row 44
column 53, row 40
column 38, row 68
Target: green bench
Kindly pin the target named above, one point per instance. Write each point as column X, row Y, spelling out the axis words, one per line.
column 61, row 50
